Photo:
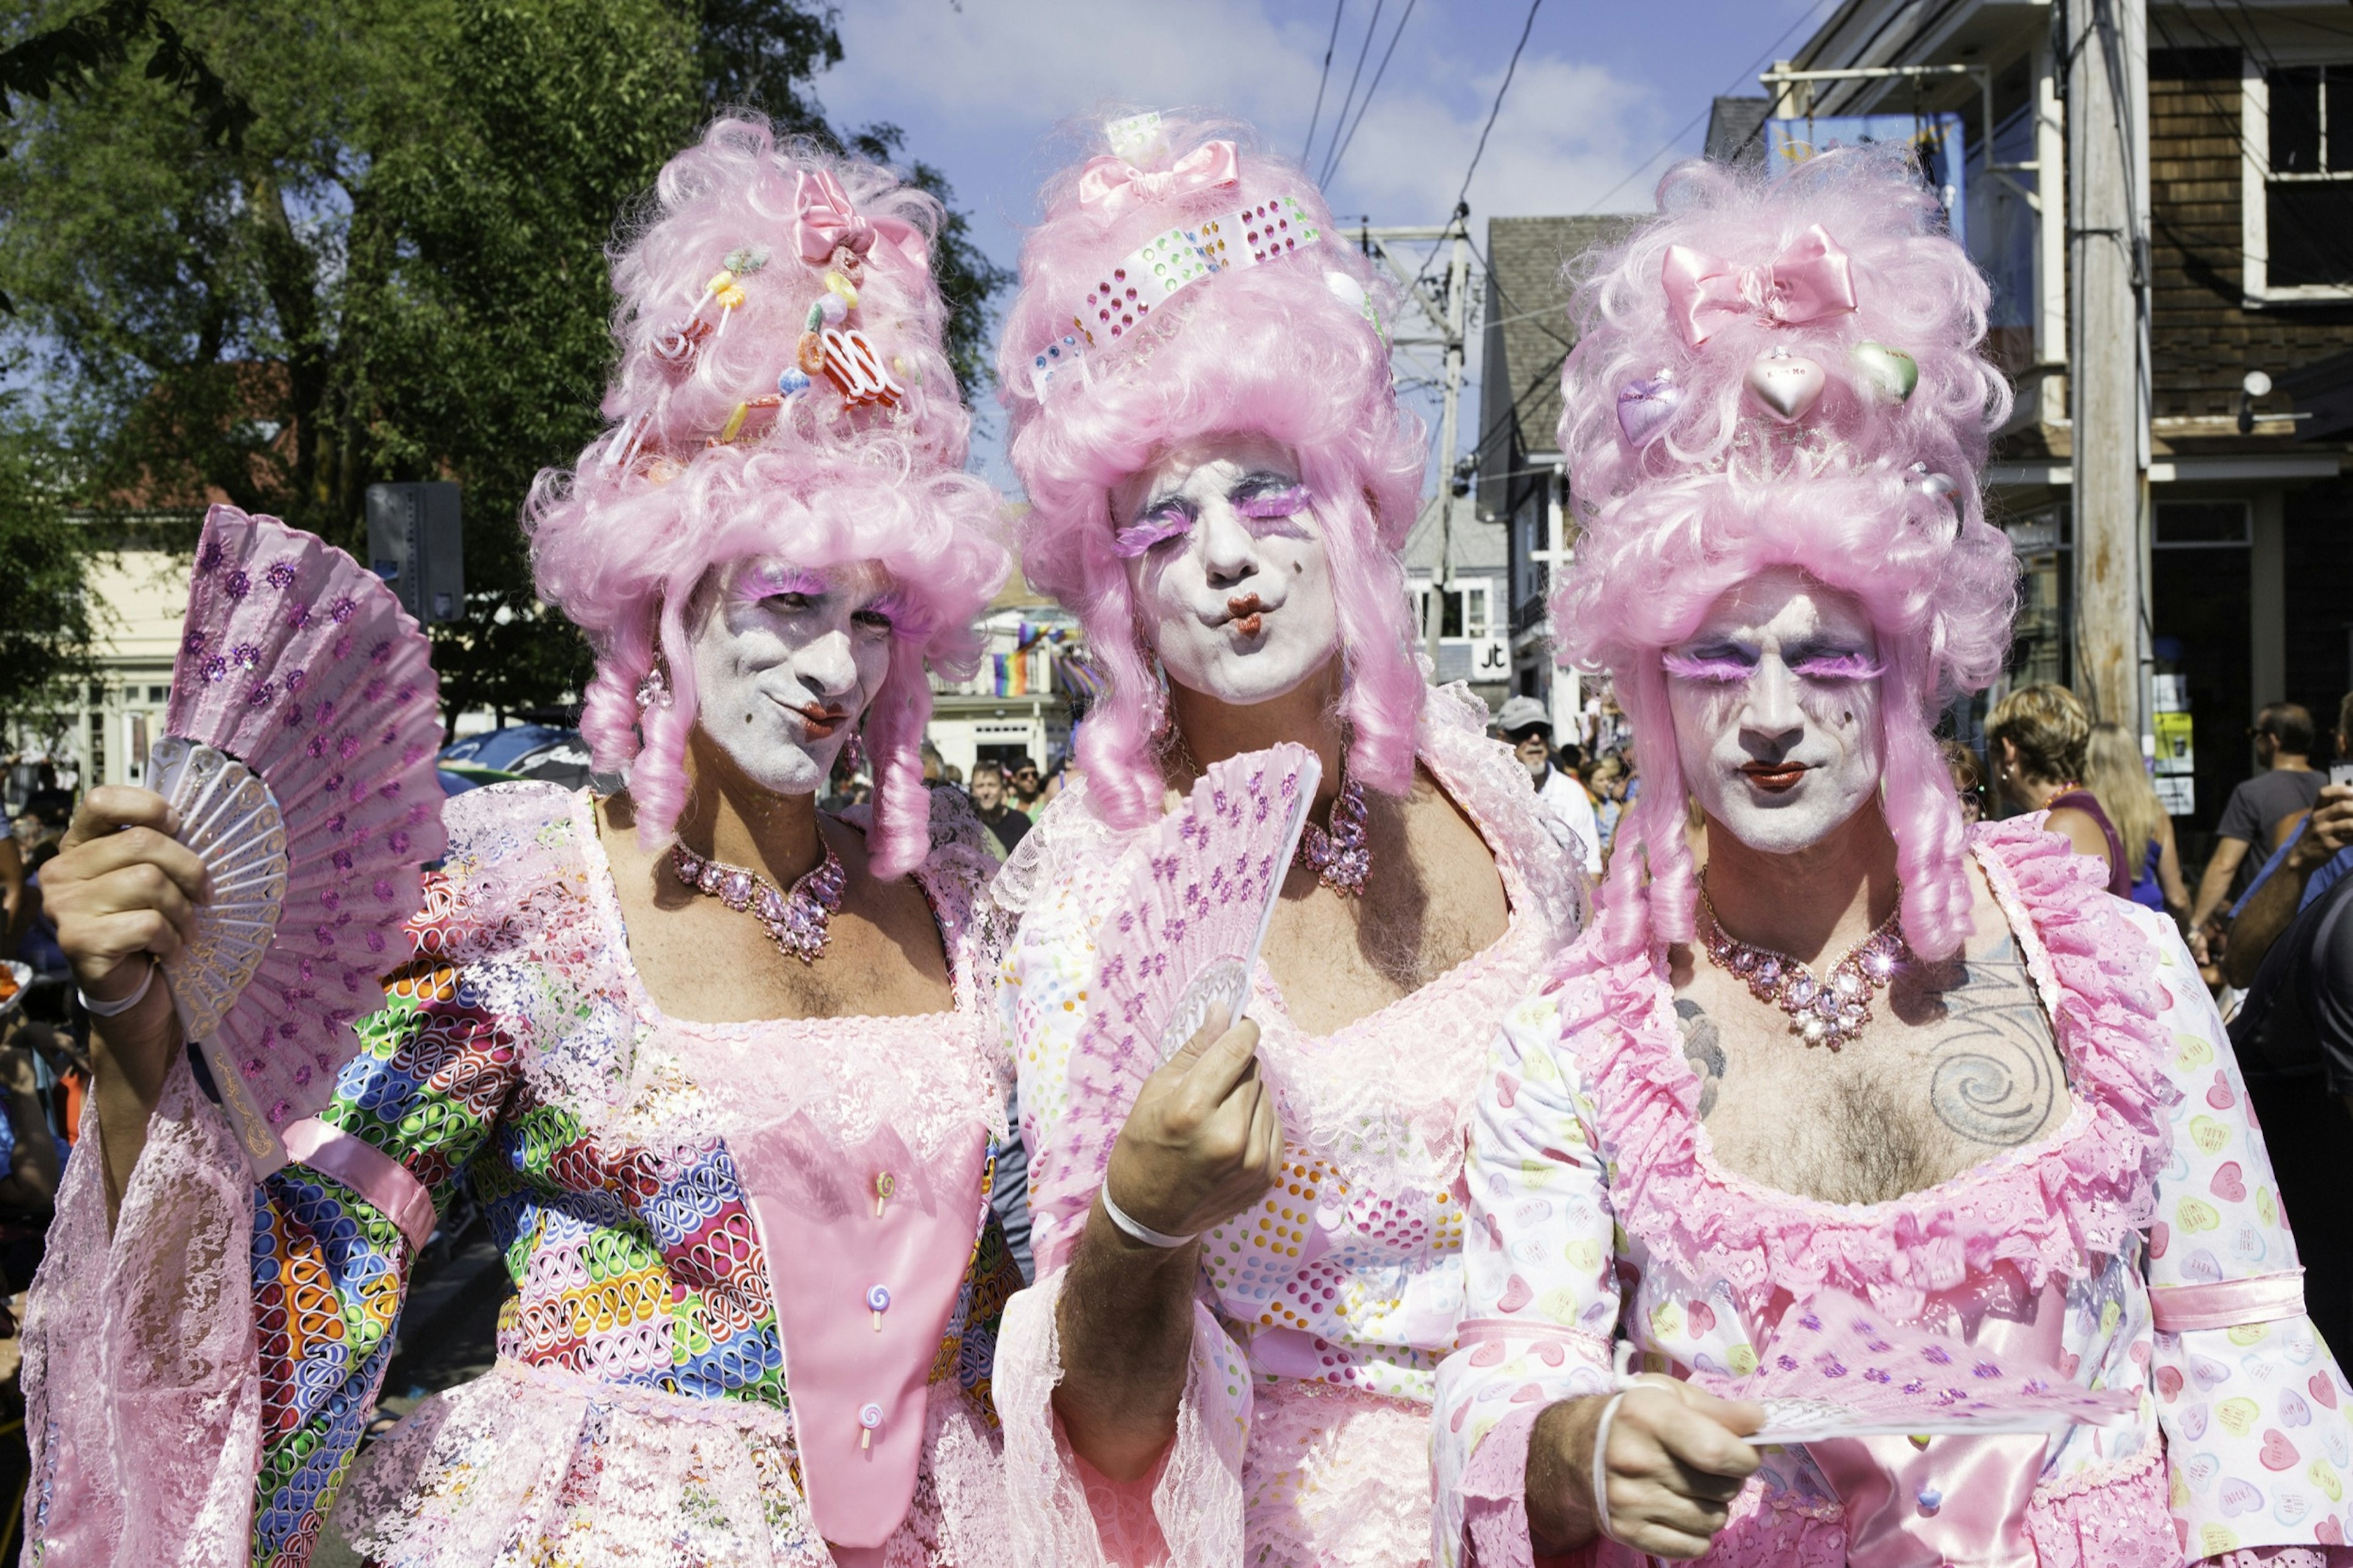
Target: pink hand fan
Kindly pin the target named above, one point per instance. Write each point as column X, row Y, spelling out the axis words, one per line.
column 1838, row 1368
column 299, row 754
column 1186, row 935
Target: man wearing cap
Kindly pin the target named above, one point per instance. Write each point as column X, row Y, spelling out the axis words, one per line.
column 1528, row 725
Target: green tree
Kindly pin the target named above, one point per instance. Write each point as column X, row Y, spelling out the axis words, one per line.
column 45, row 617
column 391, row 267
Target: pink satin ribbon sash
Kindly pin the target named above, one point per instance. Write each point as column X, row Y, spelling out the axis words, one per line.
column 1958, row 1502
column 829, row 220
column 2227, row 1303
column 1112, row 186
column 367, row 1171
column 1810, row 279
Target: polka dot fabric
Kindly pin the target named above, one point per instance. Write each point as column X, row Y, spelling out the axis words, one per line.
column 1345, row 1279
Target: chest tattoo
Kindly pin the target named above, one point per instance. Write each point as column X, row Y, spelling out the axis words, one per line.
column 1994, row 1081
column 1703, row 1050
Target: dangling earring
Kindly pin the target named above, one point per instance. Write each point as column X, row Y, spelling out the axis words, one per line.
column 653, row 688
column 854, row 754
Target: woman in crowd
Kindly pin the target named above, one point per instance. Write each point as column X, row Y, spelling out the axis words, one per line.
column 1228, row 1355
column 2037, row 737
column 722, row 1069
column 2118, row 778
column 1865, row 1062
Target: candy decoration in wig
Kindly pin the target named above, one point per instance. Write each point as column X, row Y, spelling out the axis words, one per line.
column 1714, row 1144
column 1219, row 479
column 758, row 1277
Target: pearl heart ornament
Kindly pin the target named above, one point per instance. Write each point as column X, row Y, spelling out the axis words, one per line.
column 1891, row 372
column 1645, row 408
column 1788, row 385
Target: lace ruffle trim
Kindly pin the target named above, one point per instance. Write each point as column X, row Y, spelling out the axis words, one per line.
column 2043, row 1210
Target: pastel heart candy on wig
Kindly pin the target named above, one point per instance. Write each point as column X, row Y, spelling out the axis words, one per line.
column 1891, row 372
column 1788, row 385
column 1645, row 408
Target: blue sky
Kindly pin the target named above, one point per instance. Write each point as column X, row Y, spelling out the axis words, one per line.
column 1605, row 95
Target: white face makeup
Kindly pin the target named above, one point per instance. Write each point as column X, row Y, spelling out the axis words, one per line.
column 786, row 660
column 1775, row 706
column 1232, row 586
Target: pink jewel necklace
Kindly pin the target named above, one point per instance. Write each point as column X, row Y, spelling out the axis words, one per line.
column 796, row 921
column 1830, row 1011
column 1343, row 857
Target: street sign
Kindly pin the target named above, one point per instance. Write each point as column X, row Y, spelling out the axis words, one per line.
column 416, row 543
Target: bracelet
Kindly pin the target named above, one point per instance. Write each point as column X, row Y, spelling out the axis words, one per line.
column 1600, row 1477
column 1138, row 1229
column 98, row 1009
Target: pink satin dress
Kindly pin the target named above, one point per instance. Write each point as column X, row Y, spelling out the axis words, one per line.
column 2140, row 1245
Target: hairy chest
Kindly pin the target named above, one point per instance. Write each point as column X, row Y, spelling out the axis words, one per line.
column 1433, row 900
column 1957, row 1065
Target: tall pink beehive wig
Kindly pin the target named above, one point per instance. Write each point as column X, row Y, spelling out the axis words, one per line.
column 733, row 434
column 1785, row 371
column 1184, row 284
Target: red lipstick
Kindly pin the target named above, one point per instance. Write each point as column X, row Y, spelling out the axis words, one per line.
column 1774, row 777
column 1248, row 616
column 821, row 720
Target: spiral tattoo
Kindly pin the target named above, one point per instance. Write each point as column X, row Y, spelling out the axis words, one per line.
column 1995, row 1083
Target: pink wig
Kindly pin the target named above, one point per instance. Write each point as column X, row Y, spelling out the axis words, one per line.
column 1866, row 493
column 627, row 545
column 1283, row 349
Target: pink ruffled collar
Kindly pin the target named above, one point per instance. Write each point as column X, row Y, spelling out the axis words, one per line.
column 2045, row 1209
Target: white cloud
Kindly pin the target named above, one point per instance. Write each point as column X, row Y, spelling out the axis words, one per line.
column 992, row 81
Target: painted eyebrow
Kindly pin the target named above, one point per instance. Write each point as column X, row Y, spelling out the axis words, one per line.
column 768, row 582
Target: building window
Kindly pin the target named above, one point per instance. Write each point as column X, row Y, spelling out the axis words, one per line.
column 2296, row 168
column 2308, row 202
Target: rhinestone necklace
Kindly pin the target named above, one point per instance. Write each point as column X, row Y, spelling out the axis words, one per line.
column 1830, row 1011
column 1343, row 857
column 796, row 921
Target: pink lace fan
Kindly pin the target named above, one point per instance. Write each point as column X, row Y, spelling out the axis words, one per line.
column 1187, row 934
column 299, row 754
column 1838, row 1368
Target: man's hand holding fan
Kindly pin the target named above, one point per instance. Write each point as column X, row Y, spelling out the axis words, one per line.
column 1180, row 1131
column 267, row 871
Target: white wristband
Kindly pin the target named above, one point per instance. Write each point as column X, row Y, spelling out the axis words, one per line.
column 1600, row 1477
column 1138, row 1229
column 98, row 1009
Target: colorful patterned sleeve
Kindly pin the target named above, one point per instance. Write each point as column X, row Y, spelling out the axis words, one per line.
column 2258, row 1418
column 335, row 1232
column 1542, row 1305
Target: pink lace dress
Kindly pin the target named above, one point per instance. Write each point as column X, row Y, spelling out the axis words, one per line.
column 2144, row 1239
column 1325, row 1310
column 686, row 1373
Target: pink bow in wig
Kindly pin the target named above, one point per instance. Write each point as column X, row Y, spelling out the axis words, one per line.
column 1809, row 281
column 827, row 221
column 1112, row 185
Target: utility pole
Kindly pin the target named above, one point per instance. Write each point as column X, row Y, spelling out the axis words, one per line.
column 1444, row 321
column 2108, row 391
column 1458, row 299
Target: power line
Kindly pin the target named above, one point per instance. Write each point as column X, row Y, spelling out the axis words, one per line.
column 1672, row 142
column 1350, row 100
column 1323, row 80
column 1496, row 108
column 1332, row 164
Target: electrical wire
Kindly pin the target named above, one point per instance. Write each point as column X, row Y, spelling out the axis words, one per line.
column 1693, row 123
column 1362, row 52
column 1323, row 80
column 1332, row 164
column 1497, row 107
